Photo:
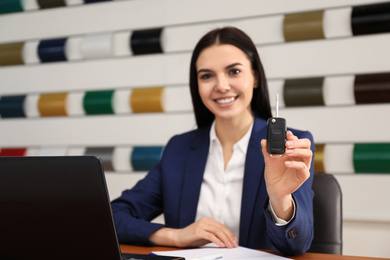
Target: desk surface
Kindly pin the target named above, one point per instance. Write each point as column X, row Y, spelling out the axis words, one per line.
column 306, row 256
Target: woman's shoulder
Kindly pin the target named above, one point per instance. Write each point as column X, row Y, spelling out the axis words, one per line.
column 190, row 137
column 301, row 133
column 304, row 134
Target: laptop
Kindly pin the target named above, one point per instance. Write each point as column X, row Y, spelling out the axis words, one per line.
column 57, row 208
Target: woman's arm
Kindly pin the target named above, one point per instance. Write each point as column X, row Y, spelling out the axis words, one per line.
column 289, row 178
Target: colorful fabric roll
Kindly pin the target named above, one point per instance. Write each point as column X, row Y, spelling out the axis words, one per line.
column 11, row 54
column 303, row 26
column 146, row 41
column 319, row 158
column 53, row 104
column 52, row 50
column 303, row 92
column 98, row 102
column 104, row 153
column 372, row 88
column 95, row 1
column 44, row 4
column 146, row 100
column 95, row 46
column 371, row 157
column 144, row 158
column 370, row 19
column 10, row 6
column 13, row 151
column 12, row 106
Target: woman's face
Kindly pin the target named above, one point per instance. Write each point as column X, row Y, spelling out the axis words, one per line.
column 226, row 81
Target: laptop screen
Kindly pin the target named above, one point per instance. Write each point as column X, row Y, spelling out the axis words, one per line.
column 55, row 208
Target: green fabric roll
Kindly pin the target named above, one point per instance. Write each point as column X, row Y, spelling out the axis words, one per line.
column 371, row 157
column 98, row 102
column 10, row 6
column 303, row 92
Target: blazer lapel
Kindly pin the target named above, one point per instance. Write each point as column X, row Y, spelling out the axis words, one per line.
column 253, row 177
column 193, row 176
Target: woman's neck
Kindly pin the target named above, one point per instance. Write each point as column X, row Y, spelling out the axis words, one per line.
column 230, row 132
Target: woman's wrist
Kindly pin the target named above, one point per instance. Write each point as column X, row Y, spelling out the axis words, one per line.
column 164, row 237
column 282, row 206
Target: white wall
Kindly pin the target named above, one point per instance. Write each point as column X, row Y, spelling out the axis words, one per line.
column 338, row 58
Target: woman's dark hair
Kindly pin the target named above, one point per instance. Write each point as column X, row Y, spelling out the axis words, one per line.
column 260, row 104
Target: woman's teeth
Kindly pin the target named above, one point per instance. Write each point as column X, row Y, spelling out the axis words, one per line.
column 225, row 100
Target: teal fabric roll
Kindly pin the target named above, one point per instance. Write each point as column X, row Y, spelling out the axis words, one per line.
column 12, row 106
column 144, row 158
column 10, row 6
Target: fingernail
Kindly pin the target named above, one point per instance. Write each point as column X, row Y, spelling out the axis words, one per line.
column 290, row 143
column 229, row 245
column 287, row 163
column 289, row 152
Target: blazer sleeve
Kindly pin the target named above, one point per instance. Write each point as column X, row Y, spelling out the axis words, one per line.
column 295, row 237
column 136, row 207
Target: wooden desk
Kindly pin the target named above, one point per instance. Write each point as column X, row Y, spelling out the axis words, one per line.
column 306, row 256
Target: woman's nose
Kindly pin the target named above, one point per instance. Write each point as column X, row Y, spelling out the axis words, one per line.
column 222, row 84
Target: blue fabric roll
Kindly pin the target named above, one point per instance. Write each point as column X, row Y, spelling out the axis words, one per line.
column 144, row 158
column 52, row 50
column 95, row 1
column 12, row 106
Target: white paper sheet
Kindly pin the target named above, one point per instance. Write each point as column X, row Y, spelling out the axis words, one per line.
column 237, row 253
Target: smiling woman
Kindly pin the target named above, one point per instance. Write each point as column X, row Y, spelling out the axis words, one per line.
column 218, row 183
column 226, row 82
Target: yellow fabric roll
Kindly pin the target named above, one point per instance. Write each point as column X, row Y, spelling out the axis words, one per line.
column 146, row 100
column 319, row 158
column 53, row 104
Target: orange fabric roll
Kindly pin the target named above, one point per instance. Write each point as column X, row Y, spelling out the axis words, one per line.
column 146, row 100
column 53, row 104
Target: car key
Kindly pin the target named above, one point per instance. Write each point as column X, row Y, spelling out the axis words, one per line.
column 276, row 133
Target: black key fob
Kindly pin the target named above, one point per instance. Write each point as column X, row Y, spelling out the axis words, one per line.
column 276, row 135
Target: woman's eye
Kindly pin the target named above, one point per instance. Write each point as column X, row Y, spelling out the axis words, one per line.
column 205, row 76
column 234, row 71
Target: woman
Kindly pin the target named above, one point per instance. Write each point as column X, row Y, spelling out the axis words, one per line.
column 218, row 183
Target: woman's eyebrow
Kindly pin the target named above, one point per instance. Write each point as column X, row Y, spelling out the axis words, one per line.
column 226, row 68
column 204, row 70
column 233, row 65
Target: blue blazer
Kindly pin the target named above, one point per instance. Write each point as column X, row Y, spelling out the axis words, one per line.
column 173, row 186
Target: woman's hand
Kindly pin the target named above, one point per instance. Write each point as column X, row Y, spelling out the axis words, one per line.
column 285, row 174
column 199, row 233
